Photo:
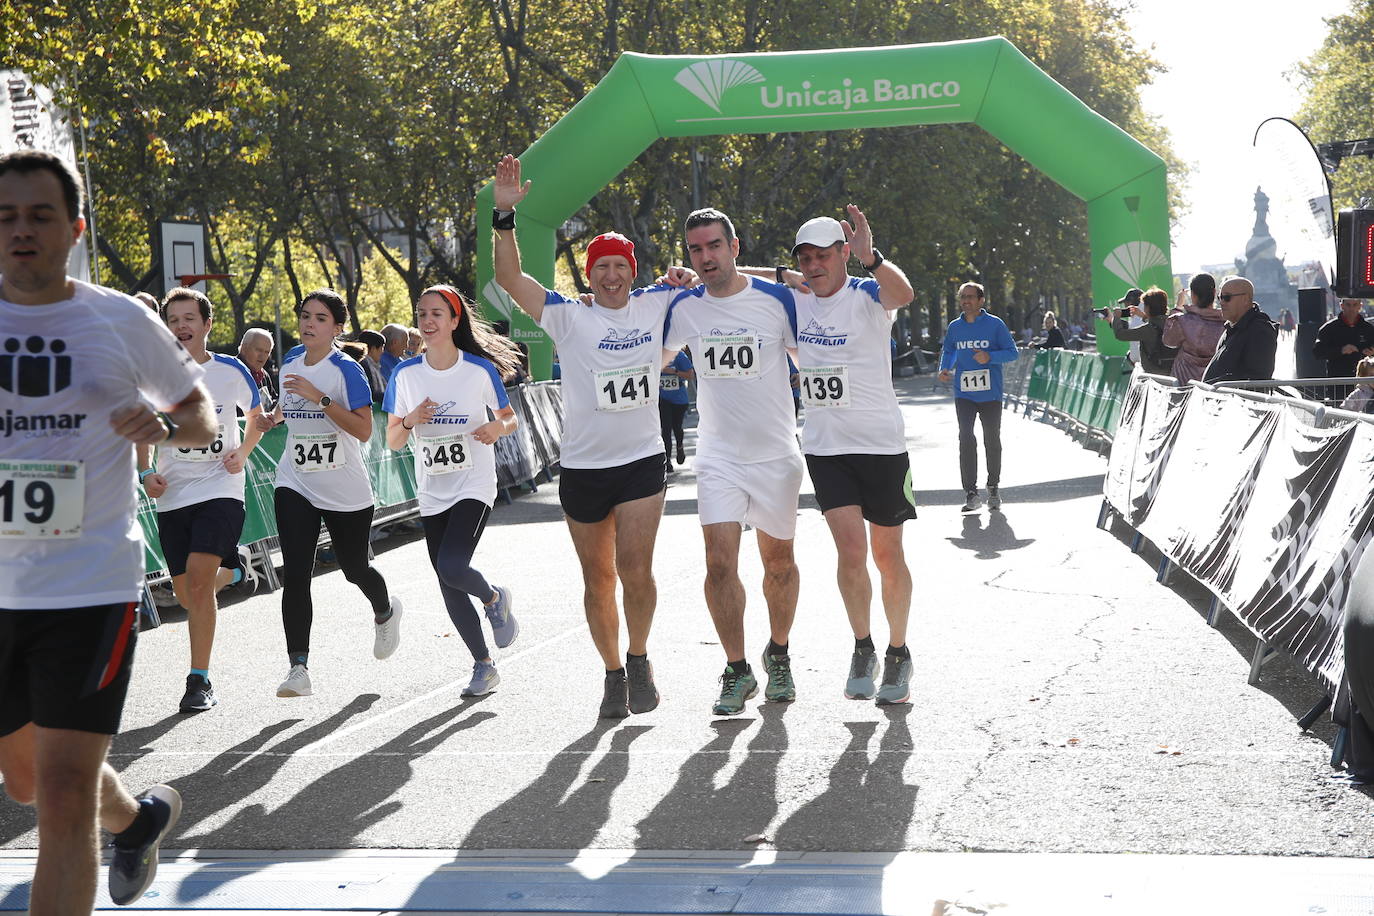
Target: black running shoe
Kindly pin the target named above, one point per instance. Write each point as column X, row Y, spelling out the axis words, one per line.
column 643, row 693
column 199, row 696
column 681, row 455
column 615, row 704
column 132, row 868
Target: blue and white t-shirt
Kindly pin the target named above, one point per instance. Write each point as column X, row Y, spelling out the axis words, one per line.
column 197, row 475
column 973, row 380
column 845, row 356
column 69, row 532
column 450, row 465
column 610, row 360
column 321, row 461
column 739, row 349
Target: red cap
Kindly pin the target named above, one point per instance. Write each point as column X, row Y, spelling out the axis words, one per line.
column 611, row 243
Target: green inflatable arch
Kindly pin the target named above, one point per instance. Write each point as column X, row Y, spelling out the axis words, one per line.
column 985, row 81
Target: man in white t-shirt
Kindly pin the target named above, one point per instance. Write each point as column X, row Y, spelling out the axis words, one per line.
column 748, row 468
column 854, row 439
column 199, row 491
column 614, row 472
column 80, row 366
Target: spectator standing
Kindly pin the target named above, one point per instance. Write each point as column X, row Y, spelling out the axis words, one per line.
column 1155, row 357
column 1247, row 346
column 397, row 339
column 1344, row 340
column 255, row 349
column 1194, row 328
column 375, row 344
column 1359, row 399
column 1054, row 338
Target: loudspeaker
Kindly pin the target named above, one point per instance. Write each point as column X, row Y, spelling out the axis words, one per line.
column 1307, row 365
column 1312, row 306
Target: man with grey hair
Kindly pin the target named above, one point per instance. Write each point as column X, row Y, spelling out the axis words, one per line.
column 255, row 349
column 1247, row 346
column 397, row 339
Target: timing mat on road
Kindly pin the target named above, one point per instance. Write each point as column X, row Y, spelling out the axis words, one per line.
column 763, row 882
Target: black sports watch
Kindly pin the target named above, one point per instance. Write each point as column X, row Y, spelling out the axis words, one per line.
column 325, row 401
column 877, row 261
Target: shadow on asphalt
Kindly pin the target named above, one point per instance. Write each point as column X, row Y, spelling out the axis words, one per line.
column 1281, row 678
column 988, row 543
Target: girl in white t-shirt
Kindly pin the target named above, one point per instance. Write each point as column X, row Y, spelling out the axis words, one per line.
column 321, row 477
column 439, row 402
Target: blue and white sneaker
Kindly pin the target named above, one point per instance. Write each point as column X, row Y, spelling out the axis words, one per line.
column 862, row 666
column 133, row 868
column 896, row 686
column 504, row 627
column 484, row 680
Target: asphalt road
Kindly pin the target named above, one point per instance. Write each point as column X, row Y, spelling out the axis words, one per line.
column 1063, row 702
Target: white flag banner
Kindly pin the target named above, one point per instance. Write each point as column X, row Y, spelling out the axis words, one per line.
column 30, row 120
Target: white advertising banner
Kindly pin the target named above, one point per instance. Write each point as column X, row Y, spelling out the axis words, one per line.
column 1268, row 511
column 29, row 120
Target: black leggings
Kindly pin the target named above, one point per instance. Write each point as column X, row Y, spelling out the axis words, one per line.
column 298, row 531
column 452, row 537
column 670, row 418
column 990, row 413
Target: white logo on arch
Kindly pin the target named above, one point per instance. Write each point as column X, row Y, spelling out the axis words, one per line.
column 498, row 298
column 708, row 79
column 1131, row 260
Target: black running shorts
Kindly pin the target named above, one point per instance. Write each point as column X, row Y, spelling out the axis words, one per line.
column 211, row 527
column 589, row 494
column 66, row 669
column 880, row 485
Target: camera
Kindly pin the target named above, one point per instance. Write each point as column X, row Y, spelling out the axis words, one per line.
column 1106, row 314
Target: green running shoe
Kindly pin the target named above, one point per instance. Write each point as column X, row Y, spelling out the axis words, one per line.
column 780, row 687
column 734, row 690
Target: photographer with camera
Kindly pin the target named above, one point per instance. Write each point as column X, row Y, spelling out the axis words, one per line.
column 1155, row 357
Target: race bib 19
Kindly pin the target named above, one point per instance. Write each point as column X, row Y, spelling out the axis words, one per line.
column 825, row 386
column 312, row 452
column 440, row 455
column 976, row 380
column 213, row 452
column 729, row 356
column 623, row 389
column 41, row 499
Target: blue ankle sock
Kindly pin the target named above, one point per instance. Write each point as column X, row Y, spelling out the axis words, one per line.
column 203, row 672
column 238, row 576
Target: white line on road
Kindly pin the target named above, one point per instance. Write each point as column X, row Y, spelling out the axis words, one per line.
column 308, row 750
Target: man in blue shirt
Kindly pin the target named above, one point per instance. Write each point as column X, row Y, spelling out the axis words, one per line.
column 976, row 345
column 397, row 339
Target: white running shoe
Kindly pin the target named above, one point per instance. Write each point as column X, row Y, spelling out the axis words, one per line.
column 297, row 683
column 250, row 575
column 388, row 635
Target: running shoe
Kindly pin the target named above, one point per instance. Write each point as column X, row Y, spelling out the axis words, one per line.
column 780, row 688
column 862, row 666
column 199, row 695
column 484, row 680
column 972, row 503
column 614, row 699
column 681, row 455
column 250, row 575
column 994, row 499
column 896, row 686
column 643, row 693
column 297, row 683
column 164, row 596
column 734, row 690
column 504, row 627
column 387, row 636
column 132, row 868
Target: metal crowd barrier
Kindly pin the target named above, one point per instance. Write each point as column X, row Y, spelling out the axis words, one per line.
column 534, row 449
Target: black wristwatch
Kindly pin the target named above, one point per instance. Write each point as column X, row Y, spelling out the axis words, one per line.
column 502, row 219
column 325, row 401
column 877, row 261
column 777, row 275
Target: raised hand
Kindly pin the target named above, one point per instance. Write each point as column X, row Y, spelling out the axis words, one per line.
column 508, row 190
column 859, row 235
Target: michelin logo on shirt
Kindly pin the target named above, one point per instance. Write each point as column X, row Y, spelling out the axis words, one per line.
column 294, row 406
column 626, row 341
column 821, row 335
column 440, row 417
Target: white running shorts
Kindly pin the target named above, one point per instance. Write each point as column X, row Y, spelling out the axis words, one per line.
column 762, row 493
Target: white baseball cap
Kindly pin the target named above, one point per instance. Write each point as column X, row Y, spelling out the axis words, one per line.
column 821, row 232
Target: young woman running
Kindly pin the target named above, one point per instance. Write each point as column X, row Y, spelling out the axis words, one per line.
column 327, row 407
column 439, row 403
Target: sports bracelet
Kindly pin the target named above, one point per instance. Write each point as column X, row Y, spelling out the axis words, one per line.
column 403, row 419
column 143, row 475
column 502, row 219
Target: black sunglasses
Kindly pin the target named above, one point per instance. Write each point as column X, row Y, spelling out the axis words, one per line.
column 1227, row 297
